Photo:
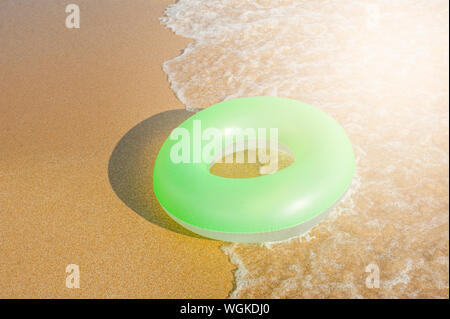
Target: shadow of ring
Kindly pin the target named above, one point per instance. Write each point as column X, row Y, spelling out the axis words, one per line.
column 130, row 167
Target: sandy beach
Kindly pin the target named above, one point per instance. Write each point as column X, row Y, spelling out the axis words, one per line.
column 85, row 111
column 67, row 99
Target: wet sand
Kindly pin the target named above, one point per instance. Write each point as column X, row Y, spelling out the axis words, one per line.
column 83, row 113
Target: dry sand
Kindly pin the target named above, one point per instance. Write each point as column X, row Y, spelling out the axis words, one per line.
column 67, row 99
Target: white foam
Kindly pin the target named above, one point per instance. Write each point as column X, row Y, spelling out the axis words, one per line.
column 380, row 67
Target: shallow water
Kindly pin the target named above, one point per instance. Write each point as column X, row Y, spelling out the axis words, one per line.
column 380, row 68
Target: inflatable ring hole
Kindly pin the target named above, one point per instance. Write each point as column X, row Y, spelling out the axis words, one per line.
column 251, row 158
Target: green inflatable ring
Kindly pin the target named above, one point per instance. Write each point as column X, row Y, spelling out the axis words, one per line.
column 266, row 208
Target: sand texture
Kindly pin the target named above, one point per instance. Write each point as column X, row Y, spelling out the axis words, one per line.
column 83, row 113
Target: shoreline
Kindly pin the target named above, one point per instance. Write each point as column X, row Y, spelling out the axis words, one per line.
column 76, row 94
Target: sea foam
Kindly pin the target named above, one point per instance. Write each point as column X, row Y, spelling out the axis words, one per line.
column 380, row 68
